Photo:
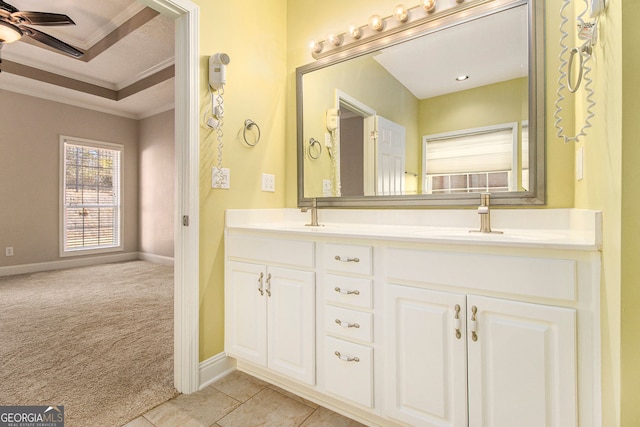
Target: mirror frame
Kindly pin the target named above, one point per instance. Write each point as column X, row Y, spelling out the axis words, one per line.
column 456, row 16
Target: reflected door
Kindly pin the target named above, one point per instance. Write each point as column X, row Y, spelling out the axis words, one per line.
column 390, row 157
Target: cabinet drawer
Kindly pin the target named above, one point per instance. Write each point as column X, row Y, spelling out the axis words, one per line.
column 271, row 250
column 348, row 258
column 540, row 277
column 349, row 371
column 350, row 324
column 348, row 290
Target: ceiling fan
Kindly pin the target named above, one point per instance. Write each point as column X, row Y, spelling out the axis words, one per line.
column 13, row 26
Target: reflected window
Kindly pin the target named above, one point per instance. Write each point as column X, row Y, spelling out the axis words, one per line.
column 473, row 160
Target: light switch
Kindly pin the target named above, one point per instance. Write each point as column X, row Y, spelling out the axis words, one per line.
column 580, row 164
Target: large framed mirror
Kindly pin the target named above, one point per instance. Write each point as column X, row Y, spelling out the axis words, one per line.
column 434, row 114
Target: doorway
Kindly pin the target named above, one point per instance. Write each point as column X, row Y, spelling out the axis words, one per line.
column 187, row 141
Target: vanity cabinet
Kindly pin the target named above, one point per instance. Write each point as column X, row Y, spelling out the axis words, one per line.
column 402, row 330
column 270, row 313
column 458, row 360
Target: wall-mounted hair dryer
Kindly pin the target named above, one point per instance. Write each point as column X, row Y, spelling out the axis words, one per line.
column 218, row 70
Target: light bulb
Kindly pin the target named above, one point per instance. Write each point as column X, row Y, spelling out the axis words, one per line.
column 354, row 32
column 401, row 13
column 428, row 5
column 376, row 23
column 334, row 40
column 9, row 33
column 315, row 46
column 462, row 77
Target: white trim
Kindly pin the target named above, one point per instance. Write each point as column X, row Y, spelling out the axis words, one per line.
column 187, row 195
column 369, row 150
column 156, row 259
column 90, row 143
column 66, row 263
column 214, row 368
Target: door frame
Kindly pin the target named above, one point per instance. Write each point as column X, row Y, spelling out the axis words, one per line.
column 368, row 114
column 187, row 193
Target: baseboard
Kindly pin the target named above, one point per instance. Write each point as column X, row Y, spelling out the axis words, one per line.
column 67, row 263
column 157, row 259
column 215, row 368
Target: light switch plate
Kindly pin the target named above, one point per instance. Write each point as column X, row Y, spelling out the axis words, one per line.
column 580, row 164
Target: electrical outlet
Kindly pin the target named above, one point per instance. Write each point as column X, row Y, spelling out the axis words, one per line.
column 226, row 178
column 8, row 251
column 268, row 182
column 327, row 191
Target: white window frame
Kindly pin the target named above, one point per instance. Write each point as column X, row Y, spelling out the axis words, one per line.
column 64, row 252
column 512, row 126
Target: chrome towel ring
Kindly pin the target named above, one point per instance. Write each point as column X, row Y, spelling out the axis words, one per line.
column 312, row 143
column 249, row 125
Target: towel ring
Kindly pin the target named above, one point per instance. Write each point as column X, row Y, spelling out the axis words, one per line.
column 312, row 143
column 248, row 125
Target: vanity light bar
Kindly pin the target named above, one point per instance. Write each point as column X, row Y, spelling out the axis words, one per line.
column 377, row 26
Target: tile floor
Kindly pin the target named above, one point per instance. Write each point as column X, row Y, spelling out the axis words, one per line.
column 240, row 400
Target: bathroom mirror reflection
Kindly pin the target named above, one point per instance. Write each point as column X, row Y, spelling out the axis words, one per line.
column 435, row 119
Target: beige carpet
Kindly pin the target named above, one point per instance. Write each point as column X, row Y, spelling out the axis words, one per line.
column 98, row 340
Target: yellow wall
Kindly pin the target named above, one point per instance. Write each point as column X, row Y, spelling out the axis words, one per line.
column 253, row 34
column 390, row 100
column 261, row 85
column 630, row 250
column 601, row 189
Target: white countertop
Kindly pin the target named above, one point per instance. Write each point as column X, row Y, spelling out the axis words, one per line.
column 569, row 229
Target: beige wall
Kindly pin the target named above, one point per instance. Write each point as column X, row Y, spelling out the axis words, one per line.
column 157, row 184
column 30, row 172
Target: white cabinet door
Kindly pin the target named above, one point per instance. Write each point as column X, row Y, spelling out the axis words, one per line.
column 246, row 312
column 522, row 364
column 427, row 365
column 291, row 323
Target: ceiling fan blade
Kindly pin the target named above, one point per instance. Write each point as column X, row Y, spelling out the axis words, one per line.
column 51, row 41
column 7, row 7
column 43, row 18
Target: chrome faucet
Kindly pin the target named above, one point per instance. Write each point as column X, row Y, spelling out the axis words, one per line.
column 314, row 213
column 485, row 215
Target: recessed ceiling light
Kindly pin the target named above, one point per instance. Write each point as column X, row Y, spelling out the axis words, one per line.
column 462, row 78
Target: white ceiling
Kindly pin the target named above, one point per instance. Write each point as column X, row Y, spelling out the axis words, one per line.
column 489, row 50
column 140, row 54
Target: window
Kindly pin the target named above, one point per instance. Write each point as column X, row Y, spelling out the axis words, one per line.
column 91, row 189
column 471, row 160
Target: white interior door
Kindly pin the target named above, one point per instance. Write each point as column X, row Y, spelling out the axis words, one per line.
column 390, row 157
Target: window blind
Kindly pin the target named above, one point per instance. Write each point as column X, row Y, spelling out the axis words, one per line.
column 478, row 152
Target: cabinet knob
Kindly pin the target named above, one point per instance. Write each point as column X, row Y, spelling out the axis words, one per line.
column 339, row 258
column 268, row 289
column 346, row 358
column 474, row 323
column 458, row 323
column 261, row 287
column 347, row 324
column 346, row 291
